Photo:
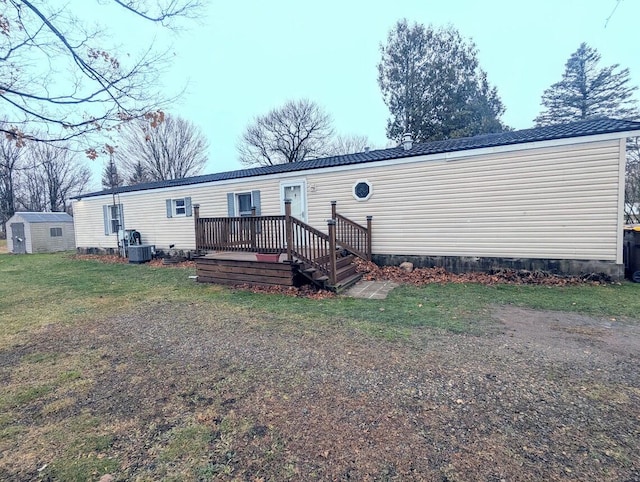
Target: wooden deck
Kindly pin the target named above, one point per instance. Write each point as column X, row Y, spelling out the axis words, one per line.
column 234, row 268
column 280, row 250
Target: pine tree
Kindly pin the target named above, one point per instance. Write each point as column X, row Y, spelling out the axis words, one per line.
column 587, row 91
column 110, row 176
column 138, row 174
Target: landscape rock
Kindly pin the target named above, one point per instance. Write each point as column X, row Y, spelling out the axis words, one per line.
column 407, row 267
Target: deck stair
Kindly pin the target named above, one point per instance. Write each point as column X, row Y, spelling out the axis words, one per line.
column 346, row 274
column 326, row 260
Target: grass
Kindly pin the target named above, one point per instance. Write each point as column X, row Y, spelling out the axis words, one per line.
column 453, row 307
column 53, row 288
column 40, row 292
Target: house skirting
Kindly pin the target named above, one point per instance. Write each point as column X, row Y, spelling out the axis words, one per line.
column 459, row 264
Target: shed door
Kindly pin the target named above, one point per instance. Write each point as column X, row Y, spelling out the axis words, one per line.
column 17, row 236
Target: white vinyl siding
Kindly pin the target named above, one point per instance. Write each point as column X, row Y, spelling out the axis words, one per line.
column 559, row 202
column 146, row 212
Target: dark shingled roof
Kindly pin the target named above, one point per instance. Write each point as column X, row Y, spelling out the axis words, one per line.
column 561, row 131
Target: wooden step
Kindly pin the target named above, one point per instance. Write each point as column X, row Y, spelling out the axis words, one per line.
column 345, row 261
column 345, row 272
column 346, row 283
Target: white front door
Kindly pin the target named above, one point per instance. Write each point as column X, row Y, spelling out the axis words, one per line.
column 296, row 191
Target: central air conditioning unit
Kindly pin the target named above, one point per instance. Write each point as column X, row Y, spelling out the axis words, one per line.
column 140, row 253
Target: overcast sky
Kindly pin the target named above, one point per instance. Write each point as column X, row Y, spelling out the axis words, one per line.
column 246, row 57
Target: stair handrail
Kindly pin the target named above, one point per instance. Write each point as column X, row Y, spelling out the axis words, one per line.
column 315, row 245
column 353, row 236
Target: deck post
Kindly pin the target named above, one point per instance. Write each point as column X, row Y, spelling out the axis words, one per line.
column 252, row 227
column 369, row 222
column 331, row 224
column 288, row 225
column 196, row 217
column 333, row 209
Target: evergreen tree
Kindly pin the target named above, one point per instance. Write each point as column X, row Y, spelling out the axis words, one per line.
column 138, row 174
column 587, row 91
column 110, row 176
column 433, row 85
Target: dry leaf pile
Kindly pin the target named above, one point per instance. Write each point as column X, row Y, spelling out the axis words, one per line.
column 422, row 276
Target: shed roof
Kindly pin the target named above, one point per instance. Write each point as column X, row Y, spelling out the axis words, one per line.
column 31, row 217
column 537, row 134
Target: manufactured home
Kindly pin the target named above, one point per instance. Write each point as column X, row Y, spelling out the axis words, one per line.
column 548, row 198
column 30, row 232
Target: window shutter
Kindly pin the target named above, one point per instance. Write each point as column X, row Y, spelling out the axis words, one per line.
column 105, row 214
column 169, row 208
column 255, row 200
column 187, row 206
column 231, row 209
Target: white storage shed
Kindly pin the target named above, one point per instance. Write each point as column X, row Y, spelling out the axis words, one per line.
column 29, row 232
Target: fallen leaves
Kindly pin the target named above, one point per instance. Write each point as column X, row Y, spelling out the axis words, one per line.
column 422, row 276
column 305, row 291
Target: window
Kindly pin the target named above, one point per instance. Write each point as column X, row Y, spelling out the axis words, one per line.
column 362, row 190
column 179, row 207
column 113, row 218
column 242, row 203
column 55, row 232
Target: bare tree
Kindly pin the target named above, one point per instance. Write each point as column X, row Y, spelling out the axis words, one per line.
column 50, row 178
column 61, row 77
column 173, row 149
column 296, row 131
column 349, row 144
column 10, row 156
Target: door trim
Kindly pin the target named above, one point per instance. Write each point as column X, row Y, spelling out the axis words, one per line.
column 303, row 191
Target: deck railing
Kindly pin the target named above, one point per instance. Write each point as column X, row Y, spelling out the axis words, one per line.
column 286, row 234
column 313, row 247
column 351, row 235
column 269, row 234
column 257, row 234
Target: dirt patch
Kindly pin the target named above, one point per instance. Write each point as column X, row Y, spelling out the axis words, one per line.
column 548, row 396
